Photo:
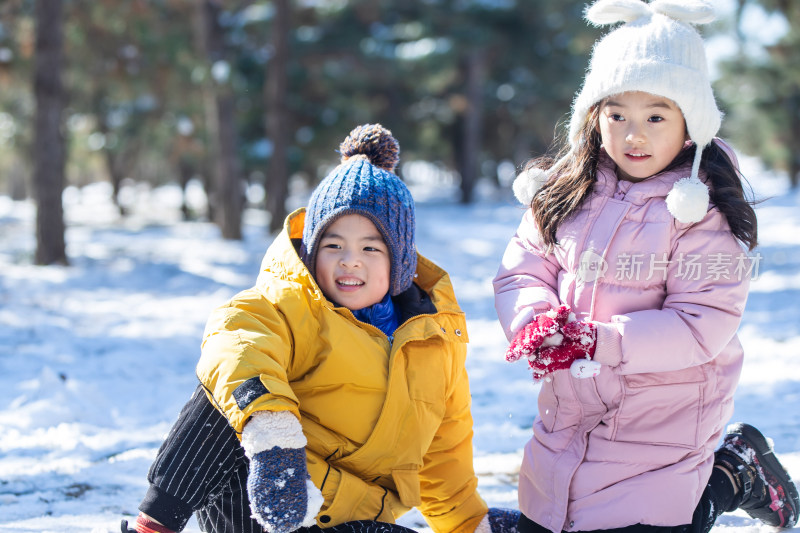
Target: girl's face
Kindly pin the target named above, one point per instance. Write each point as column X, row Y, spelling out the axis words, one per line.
column 641, row 132
column 353, row 263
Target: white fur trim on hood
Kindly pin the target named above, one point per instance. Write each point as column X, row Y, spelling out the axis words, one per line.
column 527, row 184
column 267, row 429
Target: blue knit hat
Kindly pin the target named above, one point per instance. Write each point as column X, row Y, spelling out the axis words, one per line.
column 365, row 184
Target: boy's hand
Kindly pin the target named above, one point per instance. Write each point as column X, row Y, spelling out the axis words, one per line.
column 282, row 496
column 499, row 520
column 543, row 330
column 278, row 486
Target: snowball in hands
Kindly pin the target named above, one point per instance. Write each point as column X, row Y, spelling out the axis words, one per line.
column 555, row 340
column 543, row 330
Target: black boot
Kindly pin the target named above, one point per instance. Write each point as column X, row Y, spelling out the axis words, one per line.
column 766, row 491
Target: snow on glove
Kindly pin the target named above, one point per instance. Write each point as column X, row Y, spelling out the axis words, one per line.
column 578, row 344
column 544, row 329
column 583, row 333
column 282, row 497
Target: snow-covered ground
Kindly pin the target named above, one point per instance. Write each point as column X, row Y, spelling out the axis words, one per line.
column 96, row 359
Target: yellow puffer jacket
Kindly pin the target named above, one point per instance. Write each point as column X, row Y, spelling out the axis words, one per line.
column 388, row 424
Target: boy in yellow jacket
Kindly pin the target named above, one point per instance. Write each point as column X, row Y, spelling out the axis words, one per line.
column 341, row 371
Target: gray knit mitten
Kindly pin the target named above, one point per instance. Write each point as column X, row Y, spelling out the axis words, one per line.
column 282, row 496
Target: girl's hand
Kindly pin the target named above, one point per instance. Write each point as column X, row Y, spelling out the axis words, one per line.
column 577, row 346
column 582, row 333
column 543, row 330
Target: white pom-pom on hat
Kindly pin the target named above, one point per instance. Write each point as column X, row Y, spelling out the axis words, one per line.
column 527, row 184
column 688, row 200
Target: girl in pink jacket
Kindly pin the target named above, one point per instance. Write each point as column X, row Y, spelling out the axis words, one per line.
column 631, row 270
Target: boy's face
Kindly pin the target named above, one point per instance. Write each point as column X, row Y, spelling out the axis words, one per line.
column 641, row 132
column 353, row 263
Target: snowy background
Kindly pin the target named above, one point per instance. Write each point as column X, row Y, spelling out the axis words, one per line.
column 96, row 359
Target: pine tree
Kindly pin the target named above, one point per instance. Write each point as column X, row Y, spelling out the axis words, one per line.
column 761, row 94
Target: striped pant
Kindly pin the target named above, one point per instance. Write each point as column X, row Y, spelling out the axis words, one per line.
column 201, row 468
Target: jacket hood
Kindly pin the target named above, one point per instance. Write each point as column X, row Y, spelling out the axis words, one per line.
column 282, row 259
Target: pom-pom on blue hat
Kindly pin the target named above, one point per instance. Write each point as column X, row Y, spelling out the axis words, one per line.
column 365, row 184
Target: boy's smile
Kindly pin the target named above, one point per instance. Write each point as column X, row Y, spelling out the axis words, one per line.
column 353, row 264
column 641, row 132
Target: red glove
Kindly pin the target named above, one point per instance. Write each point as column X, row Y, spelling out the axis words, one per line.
column 530, row 338
column 582, row 333
column 580, row 339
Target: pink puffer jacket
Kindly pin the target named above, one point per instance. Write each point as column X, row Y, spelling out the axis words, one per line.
column 635, row 444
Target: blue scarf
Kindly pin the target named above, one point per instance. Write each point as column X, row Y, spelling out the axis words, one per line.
column 382, row 315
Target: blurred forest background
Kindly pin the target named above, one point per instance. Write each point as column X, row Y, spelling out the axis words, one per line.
column 255, row 95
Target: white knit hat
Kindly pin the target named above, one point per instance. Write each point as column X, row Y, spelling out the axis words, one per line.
column 656, row 51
